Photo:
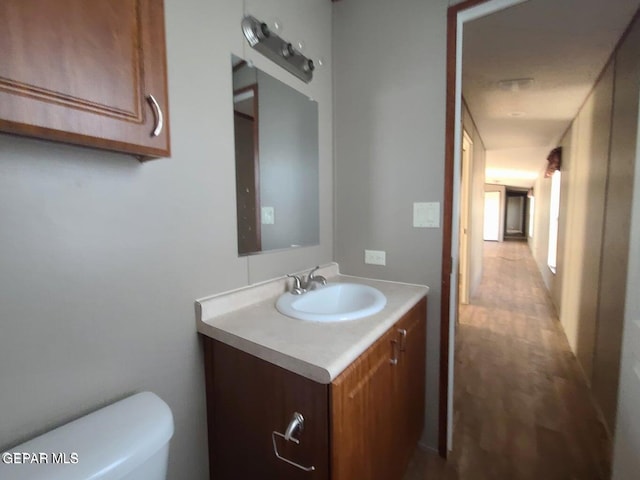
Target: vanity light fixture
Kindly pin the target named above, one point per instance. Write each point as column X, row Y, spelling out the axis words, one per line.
column 275, row 48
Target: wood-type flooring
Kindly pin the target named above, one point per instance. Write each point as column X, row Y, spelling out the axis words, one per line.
column 522, row 409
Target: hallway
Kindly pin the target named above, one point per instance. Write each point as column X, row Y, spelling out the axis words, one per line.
column 522, row 409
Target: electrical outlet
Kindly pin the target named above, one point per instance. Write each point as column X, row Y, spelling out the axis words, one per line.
column 375, row 257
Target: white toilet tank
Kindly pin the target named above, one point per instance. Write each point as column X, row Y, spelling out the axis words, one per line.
column 125, row 441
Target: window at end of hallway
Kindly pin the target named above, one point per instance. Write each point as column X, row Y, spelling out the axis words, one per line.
column 554, row 212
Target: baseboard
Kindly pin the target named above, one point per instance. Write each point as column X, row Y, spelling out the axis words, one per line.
column 426, row 448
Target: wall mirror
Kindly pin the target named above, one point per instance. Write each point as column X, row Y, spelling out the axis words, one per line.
column 277, row 177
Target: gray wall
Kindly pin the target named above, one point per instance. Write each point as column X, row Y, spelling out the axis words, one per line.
column 288, row 164
column 515, row 211
column 101, row 257
column 389, row 101
column 244, row 77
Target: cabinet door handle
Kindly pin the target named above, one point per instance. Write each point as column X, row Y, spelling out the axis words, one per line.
column 296, row 424
column 403, row 339
column 157, row 113
column 394, row 354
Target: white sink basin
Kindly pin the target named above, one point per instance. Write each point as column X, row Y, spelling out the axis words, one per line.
column 334, row 302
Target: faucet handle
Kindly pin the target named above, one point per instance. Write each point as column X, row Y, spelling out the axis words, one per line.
column 311, row 273
column 312, row 277
column 297, row 284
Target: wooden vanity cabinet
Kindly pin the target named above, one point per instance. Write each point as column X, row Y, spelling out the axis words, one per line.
column 364, row 410
column 363, row 426
column 377, row 404
column 91, row 73
column 248, row 399
column 410, row 382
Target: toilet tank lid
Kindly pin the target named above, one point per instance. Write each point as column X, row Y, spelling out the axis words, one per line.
column 107, row 443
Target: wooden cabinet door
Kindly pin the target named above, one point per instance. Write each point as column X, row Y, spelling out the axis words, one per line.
column 378, row 404
column 83, row 72
column 248, row 399
column 363, row 411
column 410, row 381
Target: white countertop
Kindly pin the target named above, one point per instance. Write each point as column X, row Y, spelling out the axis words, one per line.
column 247, row 319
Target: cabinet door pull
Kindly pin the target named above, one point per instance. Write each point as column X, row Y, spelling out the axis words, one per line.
column 296, row 424
column 403, row 339
column 394, row 357
column 157, row 113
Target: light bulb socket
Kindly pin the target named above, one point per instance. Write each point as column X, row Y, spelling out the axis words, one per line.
column 287, row 50
column 264, row 30
column 308, row 66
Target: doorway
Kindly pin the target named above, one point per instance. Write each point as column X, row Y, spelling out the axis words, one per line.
column 492, row 216
column 457, row 16
column 515, row 219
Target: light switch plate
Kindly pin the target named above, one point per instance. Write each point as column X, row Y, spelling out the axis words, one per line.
column 375, row 257
column 426, row 214
column 267, row 215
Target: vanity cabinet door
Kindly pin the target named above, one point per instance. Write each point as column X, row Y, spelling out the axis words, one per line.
column 91, row 73
column 247, row 400
column 410, row 381
column 363, row 408
column 378, row 404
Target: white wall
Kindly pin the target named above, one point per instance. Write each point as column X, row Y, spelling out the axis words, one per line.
column 584, row 176
column 489, row 187
column 101, row 257
column 389, row 101
column 617, row 226
column 593, row 241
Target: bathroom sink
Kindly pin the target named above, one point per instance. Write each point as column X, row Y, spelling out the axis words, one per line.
column 334, row 302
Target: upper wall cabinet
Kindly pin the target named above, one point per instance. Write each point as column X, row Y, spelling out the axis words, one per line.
column 88, row 73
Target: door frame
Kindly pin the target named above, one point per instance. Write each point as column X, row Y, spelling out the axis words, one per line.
column 516, row 193
column 465, row 193
column 457, row 15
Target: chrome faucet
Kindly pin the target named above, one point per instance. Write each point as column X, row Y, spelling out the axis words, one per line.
column 313, row 279
column 297, row 285
column 302, row 285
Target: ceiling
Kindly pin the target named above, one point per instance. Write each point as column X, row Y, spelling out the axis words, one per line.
column 562, row 45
